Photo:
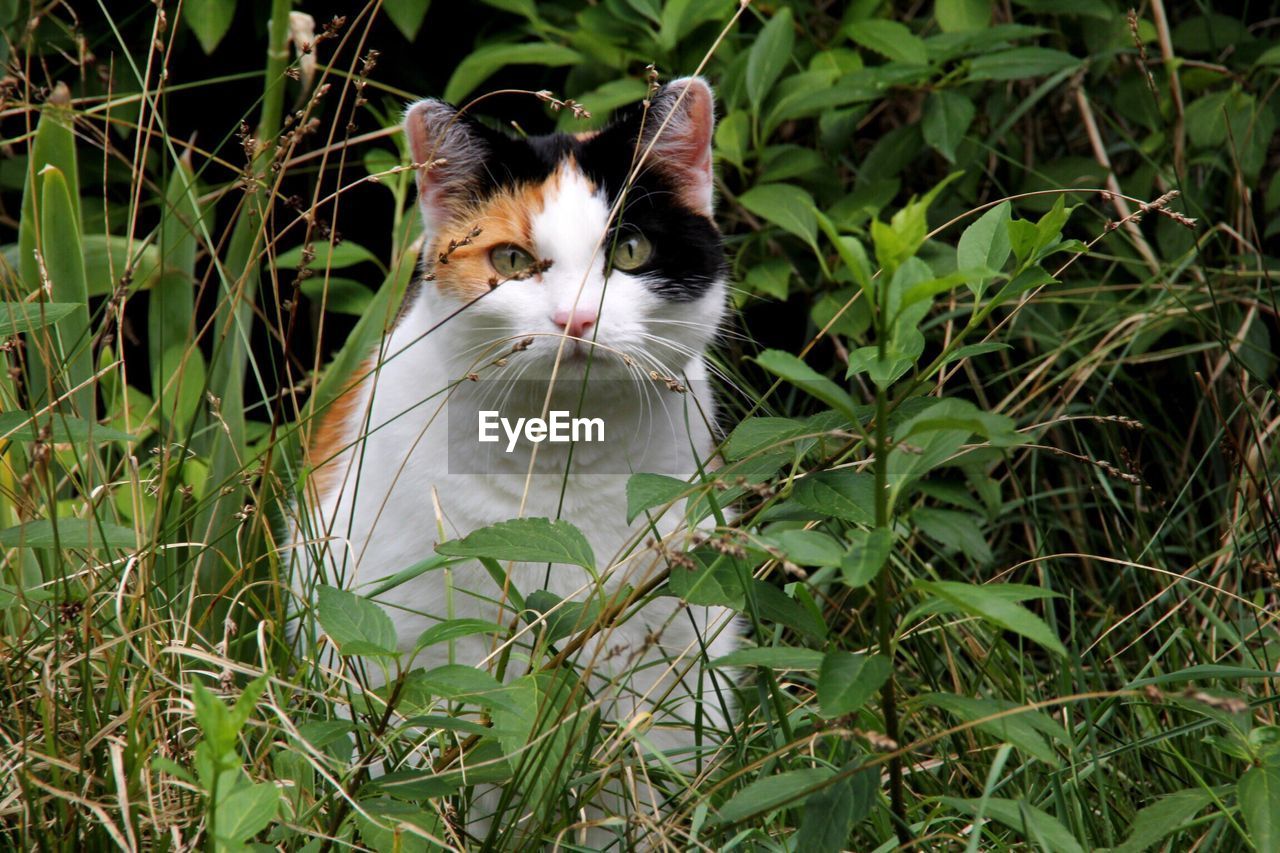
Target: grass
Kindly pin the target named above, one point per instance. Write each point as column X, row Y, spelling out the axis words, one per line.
column 152, row 433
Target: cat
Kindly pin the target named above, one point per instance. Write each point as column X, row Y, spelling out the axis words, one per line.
column 590, row 258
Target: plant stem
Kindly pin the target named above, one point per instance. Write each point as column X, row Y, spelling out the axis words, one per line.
column 884, row 618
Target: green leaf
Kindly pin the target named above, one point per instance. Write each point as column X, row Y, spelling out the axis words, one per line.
column 1023, row 817
column 247, row 810
column 771, row 792
column 338, row 295
column 772, row 657
column 1164, row 817
column 407, row 15
column 973, row 599
column 1259, row 794
column 846, row 681
column 328, row 256
column 562, row 618
column 947, row 117
column 841, row 493
column 808, row 547
column 485, row 61
column 962, row 16
column 68, row 533
column 525, row 540
column 985, row 245
column 1020, row 63
column 970, row 350
column 1026, row 730
column 804, row 377
column 357, row 625
column 646, row 491
column 866, row 556
column 756, row 435
column 68, row 429
column 716, row 584
column 889, row 39
column 831, row 814
column 455, row 629
column 784, row 205
column 209, row 20
column 953, row 529
column 769, row 56
column 64, row 266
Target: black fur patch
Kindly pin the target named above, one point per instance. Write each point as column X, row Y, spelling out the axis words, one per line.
column 688, row 251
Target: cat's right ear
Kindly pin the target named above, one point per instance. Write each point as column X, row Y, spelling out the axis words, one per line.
column 447, row 153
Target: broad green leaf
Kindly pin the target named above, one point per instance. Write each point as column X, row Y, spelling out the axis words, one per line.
column 843, row 493
column 67, row 429
column 808, row 547
column 171, row 309
column 69, row 533
column 953, row 529
column 246, row 811
column 985, row 245
column 562, row 618
column 784, row 205
column 1020, row 63
column 1259, row 795
column 962, row 16
column 755, row 435
column 769, row 56
column 354, row 623
column 526, row 540
column 804, row 377
column 716, row 584
column 772, row 657
column 867, row 555
column 54, row 145
column 455, row 681
column 407, row 15
column 1005, row 614
column 830, row 814
column 883, row 371
column 1165, row 816
column 64, row 265
column 602, row 101
column 455, row 629
column 947, row 116
column 328, row 256
column 769, row 793
column 681, row 17
column 646, row 491
column 776, row 606
column 338, row 295
column 889, row 39
column 209, row 20
column 847, row 680
column 1027, row 730
column 733, row 138
column 970, row 350
column 484, row 61
column 1021, row 816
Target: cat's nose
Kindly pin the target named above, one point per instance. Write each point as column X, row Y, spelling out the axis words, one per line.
column 576, row 322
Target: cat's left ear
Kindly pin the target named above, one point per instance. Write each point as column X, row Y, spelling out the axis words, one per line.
column 682, row 119
column 449, row 152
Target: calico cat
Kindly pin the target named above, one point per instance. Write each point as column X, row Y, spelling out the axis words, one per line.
column 559, row 270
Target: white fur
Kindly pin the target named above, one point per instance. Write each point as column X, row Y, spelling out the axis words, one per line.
column 381, row 515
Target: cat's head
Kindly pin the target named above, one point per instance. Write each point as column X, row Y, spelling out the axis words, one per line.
column 576, row 236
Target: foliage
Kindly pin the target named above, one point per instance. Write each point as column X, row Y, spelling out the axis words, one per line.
column 1001, row 390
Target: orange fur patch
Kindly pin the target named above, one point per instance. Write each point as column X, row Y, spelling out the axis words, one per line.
column 504, row 218
column 334, row 432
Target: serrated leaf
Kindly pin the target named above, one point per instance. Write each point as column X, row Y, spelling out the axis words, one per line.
column 787, row 206
column 845, row 494
column 985, row 245
column 962, row 16
column 455, row 629
column 481, row 63
column 772, row 657
column 357, row 625
column 947, row 117
column 1259, row 794
column 771, row 792
column 867, row 555
column 1005, row 614
column 246, row 811
column 804, row 377
column 646, row 491
column 830, row 814
column 1165, row 816
column 525, row 540
column 890, row 39
column 808, row 547
column 961, row 531
column 1027, row 730
column 847, row 680
column 769, row 56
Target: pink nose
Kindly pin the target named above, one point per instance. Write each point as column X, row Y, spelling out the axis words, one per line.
column 575, row 323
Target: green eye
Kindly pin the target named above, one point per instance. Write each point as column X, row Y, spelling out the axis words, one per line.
column 632, row 251
column 510, row 261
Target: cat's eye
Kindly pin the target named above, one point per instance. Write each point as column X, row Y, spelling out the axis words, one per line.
column 632, row 251
column 510, row 261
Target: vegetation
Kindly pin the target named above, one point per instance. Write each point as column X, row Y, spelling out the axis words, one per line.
column 1001, row 408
